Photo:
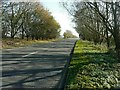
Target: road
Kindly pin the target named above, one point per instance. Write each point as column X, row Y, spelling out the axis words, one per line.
column 36, row 66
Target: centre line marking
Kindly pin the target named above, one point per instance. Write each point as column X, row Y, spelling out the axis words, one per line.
column 29, row 54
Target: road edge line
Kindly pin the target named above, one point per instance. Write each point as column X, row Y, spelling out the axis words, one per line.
column 65, row 71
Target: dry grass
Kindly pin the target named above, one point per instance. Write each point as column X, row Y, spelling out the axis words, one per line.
column 13, row 43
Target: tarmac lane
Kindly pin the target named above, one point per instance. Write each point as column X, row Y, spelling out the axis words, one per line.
column 36, row 66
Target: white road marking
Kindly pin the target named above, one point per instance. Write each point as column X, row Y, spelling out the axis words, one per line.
column 29, row 54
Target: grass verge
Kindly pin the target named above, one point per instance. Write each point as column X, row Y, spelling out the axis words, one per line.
column 14, row 43
column 92, row 67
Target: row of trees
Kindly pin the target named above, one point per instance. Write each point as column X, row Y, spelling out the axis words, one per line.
column 28, row 20
column 68, row 34
column 97, row 21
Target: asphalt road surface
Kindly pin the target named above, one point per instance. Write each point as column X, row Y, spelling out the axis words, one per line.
column 36, row 66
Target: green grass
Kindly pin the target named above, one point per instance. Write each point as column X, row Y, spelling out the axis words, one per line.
column 92, row 67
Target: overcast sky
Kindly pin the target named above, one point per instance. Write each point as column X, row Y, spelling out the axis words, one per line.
column 60, row 14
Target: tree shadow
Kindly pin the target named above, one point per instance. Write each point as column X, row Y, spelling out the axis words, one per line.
column 79, row 60
column 37, row 68
column 41, row 70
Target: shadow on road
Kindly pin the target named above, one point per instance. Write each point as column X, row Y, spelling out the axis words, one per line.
column 41, row 70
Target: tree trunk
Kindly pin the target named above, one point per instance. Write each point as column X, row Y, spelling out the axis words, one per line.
column 12, row 24
column 27, row 37
column 32, row 37
column 12, row 33
column 22, row 32
column 117, row 48
column 116, row 31
column 107, row 37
